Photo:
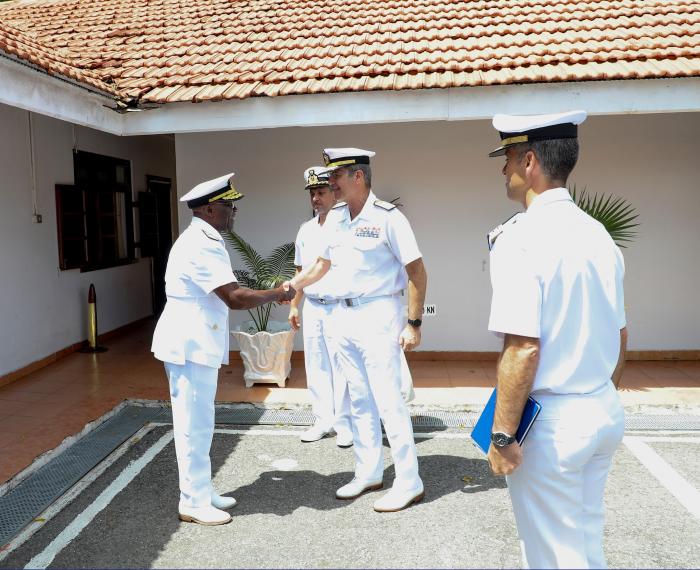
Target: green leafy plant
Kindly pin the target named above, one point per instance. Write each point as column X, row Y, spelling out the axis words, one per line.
column 262, row 272
column 615, row 213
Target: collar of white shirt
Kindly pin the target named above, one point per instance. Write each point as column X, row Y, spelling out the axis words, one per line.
column 366, row 212
column 211, row 231
column 549, row 196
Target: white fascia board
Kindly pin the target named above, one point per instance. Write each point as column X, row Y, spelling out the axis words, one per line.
column 25, row 87
column 459, row 104
column 623, row 97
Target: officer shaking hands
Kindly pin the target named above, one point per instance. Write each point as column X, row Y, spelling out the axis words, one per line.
column 192, row 335
column 374, row 255
column 558, row 301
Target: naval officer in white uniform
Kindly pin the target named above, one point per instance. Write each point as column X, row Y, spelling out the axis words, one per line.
column 558, row 300
column 330, row 400
column 374, row 255
column 191, row 338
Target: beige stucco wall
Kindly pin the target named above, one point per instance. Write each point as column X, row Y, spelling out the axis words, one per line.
column 453, row 194
column 43, row 309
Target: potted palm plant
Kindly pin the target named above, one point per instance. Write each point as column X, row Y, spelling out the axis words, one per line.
column 266, row 345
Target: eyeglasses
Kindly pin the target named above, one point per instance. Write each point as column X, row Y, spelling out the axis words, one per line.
column 226, row 204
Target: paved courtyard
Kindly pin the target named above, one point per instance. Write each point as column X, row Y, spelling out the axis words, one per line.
column 124, row 512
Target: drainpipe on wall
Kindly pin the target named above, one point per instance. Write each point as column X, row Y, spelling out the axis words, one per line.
column 36, row 216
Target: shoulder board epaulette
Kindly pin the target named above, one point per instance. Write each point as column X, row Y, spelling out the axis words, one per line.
column 388, row 206
column 492, row 236
column 339, row 205
column 210, row 236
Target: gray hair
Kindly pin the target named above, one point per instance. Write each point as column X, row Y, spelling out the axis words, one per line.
column 557, row 156
column 366, row 171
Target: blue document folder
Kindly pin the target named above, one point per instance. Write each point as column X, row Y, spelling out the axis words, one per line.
column 481, row 434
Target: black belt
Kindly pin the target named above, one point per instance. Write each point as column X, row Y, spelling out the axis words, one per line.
column 353, row 301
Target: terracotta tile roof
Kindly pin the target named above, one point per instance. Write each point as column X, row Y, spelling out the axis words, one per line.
column 208, row 50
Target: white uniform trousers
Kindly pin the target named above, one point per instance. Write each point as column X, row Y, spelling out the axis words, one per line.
column 330, row 400
column 369, row 355
column 192, row 393
column 557, row 492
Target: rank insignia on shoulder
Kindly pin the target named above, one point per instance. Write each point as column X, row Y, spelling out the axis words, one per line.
column 210, row 236
column 388, row 206
column 492, row 236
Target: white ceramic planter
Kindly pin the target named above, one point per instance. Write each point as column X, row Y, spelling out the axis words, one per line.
column 266, row 355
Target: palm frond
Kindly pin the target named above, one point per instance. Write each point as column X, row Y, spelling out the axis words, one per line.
column 262, row 273
column 616, row 214
column 245, row 279
column 253, row 260
column 281, row 262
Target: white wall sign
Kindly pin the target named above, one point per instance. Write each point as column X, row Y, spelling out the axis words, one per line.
column 429, row 310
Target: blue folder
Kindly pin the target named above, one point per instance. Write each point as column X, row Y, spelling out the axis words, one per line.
column 481, row 434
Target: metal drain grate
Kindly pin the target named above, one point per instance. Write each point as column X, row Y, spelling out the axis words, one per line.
column 262, row 416
column 29, row 498
column 23, row 503
column 653, row 422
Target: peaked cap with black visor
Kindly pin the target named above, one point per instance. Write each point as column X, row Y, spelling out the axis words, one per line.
column 516, row 129
column 220, row 188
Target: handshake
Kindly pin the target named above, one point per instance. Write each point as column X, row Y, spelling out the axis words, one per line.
column 286, row 292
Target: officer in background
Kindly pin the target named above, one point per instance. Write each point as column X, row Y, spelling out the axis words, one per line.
column 192, row 335
column 368, row 243
column 558, row 300
column 330, row 400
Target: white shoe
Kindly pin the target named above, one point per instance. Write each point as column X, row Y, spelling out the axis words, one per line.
column 209, row 515
column 398, row 499
column 220, row 502
column 314, row 433
column 357, row 487
column 344, row 439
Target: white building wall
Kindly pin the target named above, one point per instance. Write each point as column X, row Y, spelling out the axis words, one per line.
column 44, row 309
column 453, row 194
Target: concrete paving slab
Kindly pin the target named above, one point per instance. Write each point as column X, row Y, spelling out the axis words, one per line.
column 288, row 517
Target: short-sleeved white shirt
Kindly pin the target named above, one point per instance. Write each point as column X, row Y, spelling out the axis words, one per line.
column 558, row 276
column 194, row 322
column 307, row 249
column 368, row 255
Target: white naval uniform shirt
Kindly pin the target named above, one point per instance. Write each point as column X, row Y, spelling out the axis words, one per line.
column 557, row 276
column 307, row 249
column 194, row 323
column 368, row 255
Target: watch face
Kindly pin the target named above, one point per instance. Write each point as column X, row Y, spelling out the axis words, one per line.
column 500, row 439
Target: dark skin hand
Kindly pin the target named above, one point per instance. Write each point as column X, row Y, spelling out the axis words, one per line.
column 220, row 215
column 237, row 297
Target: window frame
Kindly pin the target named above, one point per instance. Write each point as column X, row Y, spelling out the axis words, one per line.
column 108, row 221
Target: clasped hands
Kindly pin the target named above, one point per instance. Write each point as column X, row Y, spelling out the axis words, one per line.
column 287, row 293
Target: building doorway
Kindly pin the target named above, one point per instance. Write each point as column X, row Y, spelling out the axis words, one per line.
column 156, row 233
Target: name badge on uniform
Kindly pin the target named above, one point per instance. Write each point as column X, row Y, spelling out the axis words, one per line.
column 368, row 231
column 492, row 236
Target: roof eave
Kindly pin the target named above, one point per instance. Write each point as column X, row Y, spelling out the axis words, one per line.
column 28, row 88
column 639, row 96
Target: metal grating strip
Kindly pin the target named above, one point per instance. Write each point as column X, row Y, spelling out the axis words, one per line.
column 33, row 495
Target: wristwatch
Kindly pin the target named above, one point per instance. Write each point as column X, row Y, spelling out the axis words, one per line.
column 500, row 439
column 415, row 322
